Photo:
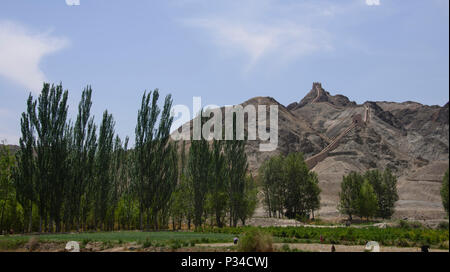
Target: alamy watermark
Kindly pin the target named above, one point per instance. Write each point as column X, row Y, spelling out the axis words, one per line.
column 257, row 127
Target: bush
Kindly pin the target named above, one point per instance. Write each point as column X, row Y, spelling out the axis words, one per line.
column 175, row 244
column 443, row 225
column 147, row 243
column 11, row 244
column 256, row 240
column 85, row 242
column 285, row 248
column 410, row 225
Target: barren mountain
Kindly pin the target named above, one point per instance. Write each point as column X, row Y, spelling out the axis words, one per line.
column 338, row 136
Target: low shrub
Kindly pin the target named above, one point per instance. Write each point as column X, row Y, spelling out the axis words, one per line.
column 256, row 240
column 11, row 244
column 443, row 225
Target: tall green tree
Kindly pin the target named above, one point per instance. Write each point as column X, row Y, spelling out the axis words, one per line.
column 236, row 170
column 301, row 187
column 444, row 192
column 199, row 166
column 25, row 172
column 83, row 147
column 272, row 179
column 103, row 180
column 218, row 190
column 367, row 201
column 349, row 195
column 155, row 163
column 52, row 153
column 249, row 201
column 7, row 192
column 385, row 187
column 312, row 193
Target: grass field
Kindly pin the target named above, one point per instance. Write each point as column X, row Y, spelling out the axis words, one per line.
column 395, row 236
column 128, row 236
column 399, row 237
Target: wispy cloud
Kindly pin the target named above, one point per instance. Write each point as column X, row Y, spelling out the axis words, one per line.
column 258, row 40
column 373, row 2
column 21, row 52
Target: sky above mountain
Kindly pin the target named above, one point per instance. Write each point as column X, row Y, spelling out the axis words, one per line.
column 222, row 51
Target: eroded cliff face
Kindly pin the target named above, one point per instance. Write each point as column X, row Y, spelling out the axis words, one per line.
column 409, row 138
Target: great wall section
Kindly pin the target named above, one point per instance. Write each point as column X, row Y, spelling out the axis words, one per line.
column 357, row 120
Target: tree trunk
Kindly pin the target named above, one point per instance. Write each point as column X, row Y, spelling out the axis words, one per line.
column 30, row 219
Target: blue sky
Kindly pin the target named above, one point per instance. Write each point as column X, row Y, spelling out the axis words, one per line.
column 223, row 51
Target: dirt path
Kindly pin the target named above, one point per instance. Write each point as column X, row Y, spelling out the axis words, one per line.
column 327, row 247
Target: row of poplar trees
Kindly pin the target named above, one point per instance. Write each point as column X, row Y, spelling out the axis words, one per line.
column 75, row 176
column 214, row 184
column 65, row 171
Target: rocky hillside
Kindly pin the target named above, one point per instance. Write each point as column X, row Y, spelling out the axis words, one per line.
column 410, row 138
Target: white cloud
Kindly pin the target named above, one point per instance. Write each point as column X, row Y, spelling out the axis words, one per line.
column 373, row 2
column 259, row 40
column 21, row 52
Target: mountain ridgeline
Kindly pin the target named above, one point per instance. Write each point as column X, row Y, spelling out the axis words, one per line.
column 338, row 136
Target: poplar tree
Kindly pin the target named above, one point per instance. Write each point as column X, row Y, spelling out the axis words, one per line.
column 236, row 161
column 199, row 174
column 103, row 160
column 155, row 162
column 272, row 178
column 52, row 153
column 218, row 187
column 24, row 173
column 82, row 147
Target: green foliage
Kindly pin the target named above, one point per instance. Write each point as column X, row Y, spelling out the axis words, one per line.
column 352, row 236
column 218, row 197
column 103, row 186
column 444, row 192
column 199, row 166
column 249, row 200
column 155, row 160
column 272, row 178
column 289, row 186
column 350, row 190
column 52, row 153
column 370, row 195
column 255, row 240
column 443, row 225
column 236, row 170
column 8, row 203
column 410, row 224
column 367, row 201
column 83, row 147
column 385, row 187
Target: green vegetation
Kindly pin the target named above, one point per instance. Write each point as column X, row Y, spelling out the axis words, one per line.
column 444, row 192
column 155, row 161
column 10, row 209
column 350, row 236
column 255, row 240
column 289, row 187
column 367, row 201
column 217, row 182
column 70, row 176
column 385, row 188
column 370, row 195
column 161, row 237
